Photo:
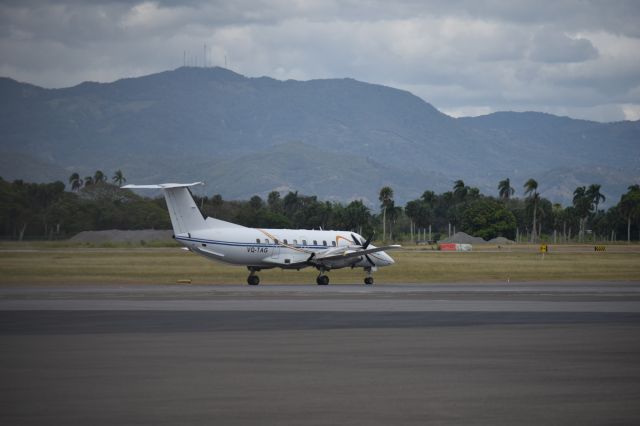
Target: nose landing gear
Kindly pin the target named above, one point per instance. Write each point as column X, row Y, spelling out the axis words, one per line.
column 368, row 280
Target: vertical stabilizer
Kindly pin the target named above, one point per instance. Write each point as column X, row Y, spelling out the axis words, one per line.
column 185, row 215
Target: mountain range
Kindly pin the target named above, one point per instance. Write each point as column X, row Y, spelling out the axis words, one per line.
column 340, row 139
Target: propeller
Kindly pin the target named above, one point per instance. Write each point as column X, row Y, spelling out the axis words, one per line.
column 364, row 246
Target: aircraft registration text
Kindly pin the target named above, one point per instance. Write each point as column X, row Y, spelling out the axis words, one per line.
column 257, row 249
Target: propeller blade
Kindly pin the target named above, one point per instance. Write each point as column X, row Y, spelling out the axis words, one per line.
column 355, row 240
column 366, row 243
column 311, row 257
column 369, row 259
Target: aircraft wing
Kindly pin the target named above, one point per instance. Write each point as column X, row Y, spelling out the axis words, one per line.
column 331, row 254
column 349, row 252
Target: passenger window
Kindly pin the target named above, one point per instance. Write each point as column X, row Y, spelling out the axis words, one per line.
column 275, row 241
column 285, row 241
column 295, row 242
column 333, row 243
column 315, row 243
column 324, row 242
column 304, row 242
column 266, row 241
column 258, row 240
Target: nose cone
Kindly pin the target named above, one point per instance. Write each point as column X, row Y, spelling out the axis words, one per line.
column 388, row 260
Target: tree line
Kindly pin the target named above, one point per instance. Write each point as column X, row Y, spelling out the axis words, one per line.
column 47, row 210
column 93, row 203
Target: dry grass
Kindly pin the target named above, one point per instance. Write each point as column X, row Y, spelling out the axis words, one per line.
column 167, row 265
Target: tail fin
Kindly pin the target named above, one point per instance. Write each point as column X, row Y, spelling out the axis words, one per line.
column 185, row 216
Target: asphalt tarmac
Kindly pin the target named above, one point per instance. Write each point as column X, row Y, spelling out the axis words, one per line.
column 527, row 353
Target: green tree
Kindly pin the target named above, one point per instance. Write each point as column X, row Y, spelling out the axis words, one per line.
column 76, row 182
column 488, row 219
column 412, row 210
column 386, row 199
column 88, row 181
column 274, row 201
column 505, row 191
column 256, row 202
column 99, row 177
column 118, row 178
column 531, row 191
column 355, row 216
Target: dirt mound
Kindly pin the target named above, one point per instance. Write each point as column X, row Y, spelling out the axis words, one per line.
column 463, row 238
column 116, row 235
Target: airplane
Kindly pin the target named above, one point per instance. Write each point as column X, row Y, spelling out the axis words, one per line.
column 259, row 249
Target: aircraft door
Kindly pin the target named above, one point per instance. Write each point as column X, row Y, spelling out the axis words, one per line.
column 275, row 251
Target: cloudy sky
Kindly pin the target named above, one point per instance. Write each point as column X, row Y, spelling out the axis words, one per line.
column 578, row 58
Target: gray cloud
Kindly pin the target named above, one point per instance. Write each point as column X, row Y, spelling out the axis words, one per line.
column 556, row 48
column 579, row 58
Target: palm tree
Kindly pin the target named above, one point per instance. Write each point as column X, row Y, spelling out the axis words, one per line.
column 582, row 202
column 99, row 177
column 630, row 206
column 460, row 189
column 531, row 191
column 76, row 182
column 393, row 212
column 505, row 191
column 596, row 196
column 118, row 178
column 88, row 181
column 386, row 200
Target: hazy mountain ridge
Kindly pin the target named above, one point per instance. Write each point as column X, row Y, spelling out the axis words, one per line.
column 338, row 138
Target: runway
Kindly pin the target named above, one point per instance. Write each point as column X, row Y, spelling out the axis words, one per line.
column 526, row 353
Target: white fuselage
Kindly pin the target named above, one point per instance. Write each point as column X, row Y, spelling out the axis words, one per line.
column 268, row 248
column 258, row 248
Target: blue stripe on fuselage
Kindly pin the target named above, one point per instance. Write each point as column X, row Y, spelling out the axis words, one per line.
column 239, row 244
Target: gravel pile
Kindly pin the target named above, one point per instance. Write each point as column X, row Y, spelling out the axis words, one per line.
column 463, row 238
column 501, row 240
column 116, row 235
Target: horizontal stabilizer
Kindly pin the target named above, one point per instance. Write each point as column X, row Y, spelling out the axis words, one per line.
column 163, row 185
column 184, row 214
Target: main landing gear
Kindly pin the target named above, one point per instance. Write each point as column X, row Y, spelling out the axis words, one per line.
column 253, row 279
column 322, row 279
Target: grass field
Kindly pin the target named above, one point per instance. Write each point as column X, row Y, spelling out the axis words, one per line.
column 42, row 265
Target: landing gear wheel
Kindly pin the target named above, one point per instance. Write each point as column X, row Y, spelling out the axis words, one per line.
column 322, row 280
column 368, row 280
column 253, row 280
